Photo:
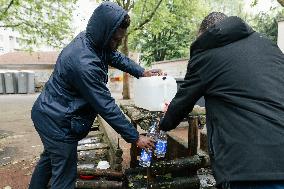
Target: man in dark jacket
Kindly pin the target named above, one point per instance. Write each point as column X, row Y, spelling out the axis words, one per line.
column 76, row 93
column 241, row 75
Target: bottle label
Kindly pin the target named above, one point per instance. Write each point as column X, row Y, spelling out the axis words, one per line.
column 145, row 158
column 161, row 147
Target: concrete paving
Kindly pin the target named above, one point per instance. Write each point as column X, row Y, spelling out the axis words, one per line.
column 20, row 145
column 18, row 138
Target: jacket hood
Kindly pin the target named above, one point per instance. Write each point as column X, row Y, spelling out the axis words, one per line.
column 105, row 19
column 223, row 33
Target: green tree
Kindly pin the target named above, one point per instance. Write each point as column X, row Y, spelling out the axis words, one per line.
column 229, row 7
column 38, row 21
column 171, row 31
column 281, row 2
column 267, row 23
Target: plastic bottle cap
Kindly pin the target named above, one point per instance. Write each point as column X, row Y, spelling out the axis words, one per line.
column 103, row 165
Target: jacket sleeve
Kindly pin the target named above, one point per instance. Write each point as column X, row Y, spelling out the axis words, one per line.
column 90, row 85
column 123, row 63
column 183, row 102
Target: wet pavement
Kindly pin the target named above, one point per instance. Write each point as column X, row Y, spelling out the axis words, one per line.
column 20, row 144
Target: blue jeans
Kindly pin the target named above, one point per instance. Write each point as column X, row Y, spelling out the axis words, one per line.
column 254, row 185
column 57, row 165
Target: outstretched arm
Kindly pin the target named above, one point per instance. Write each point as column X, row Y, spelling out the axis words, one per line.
column 188, row 94
column 122, row 62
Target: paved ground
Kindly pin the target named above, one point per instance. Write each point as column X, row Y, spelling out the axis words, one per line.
column 19, row 143
column 20, row 146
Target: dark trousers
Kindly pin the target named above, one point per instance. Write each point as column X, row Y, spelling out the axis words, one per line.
column 253, row 185
column 57, row 165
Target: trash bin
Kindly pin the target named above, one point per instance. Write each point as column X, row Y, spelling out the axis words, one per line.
column 16, row 76
column 2, row 82
column 10, row 79
column 200, row 102
column 31, row 81
column 22, row 82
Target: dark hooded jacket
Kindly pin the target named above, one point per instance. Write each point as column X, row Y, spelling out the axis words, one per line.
column 241, row 75
column 76, row 91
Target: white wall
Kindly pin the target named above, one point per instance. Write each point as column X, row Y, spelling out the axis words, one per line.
column 175, row 68
column 280, row 40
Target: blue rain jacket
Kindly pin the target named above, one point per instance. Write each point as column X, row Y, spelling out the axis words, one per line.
column 76, row 92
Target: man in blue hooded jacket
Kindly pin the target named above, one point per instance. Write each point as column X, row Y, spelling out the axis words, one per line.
column 76, row 93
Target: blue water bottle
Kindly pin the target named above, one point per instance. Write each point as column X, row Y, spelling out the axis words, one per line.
column 146, row 156
column 161, row 145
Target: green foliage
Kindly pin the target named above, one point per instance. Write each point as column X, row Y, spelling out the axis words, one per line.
column 254, row 3
column 171, row 31
column 38, row 21
column 168, row 33
column 229, row 7
column 267, row 23
column 263, row 22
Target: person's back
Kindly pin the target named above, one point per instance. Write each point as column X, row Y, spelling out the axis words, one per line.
column 245, row 108
column 241, row 75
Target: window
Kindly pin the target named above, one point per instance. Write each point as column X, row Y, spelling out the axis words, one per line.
column 1, row 38
column 1, row 49
column 11, row 38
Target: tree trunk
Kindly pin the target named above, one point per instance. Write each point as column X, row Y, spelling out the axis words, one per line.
column 92, row 156
column 179, row 166
column 124, row 50
column 169, row 183
column 103, row 184
column 95, row 146
column 95, row 134
column 90, row 140
column 177, row 183
column 101, row 173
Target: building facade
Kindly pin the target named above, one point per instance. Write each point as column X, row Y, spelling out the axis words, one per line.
column 9, row 41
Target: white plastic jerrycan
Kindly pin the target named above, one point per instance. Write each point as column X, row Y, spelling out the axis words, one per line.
column 152, row 93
